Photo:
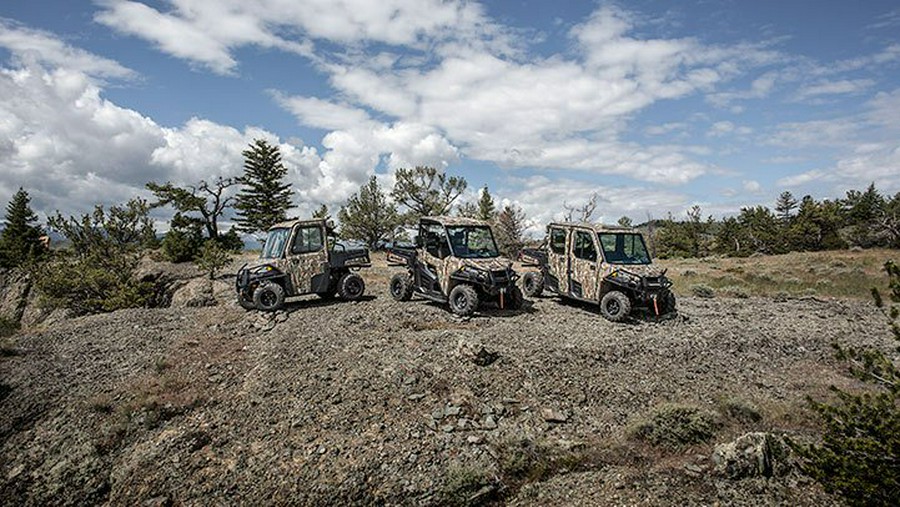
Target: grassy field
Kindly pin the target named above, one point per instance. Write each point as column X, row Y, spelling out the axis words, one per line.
column 840, row 274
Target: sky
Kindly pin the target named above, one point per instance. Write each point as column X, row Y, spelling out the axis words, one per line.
column 653, row 105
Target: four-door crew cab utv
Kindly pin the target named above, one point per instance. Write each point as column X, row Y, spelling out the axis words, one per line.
column 598, row 264
column 301, row 257
column 455, row 261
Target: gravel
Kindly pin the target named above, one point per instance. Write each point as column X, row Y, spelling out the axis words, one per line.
column 373, row 402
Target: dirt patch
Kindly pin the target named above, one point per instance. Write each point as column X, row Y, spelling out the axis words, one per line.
column 371, row 402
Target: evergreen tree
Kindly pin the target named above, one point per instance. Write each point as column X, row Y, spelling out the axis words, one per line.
column 468, row 210
column 510, row 229
column 426, row 191
column 624, row 221
column 322, row 212
column 205, row 202
column 264, row 199
column 785, row 205
column 368, row 215
column 20, row 240
column 486, row 208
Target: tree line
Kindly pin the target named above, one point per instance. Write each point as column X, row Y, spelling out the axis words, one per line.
column 863, row 219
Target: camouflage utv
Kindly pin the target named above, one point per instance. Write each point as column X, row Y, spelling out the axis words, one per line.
column 455, row 261
column 609, row 266
column 301, row 257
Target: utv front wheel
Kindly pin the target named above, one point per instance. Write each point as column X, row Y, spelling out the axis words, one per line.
column 513, row 298
column 351, row 287
column 667, row 304
column 401, row 288
column 533, row 284
column 245, row 303
column 615, row 306
column 463, row 300
column 268, row 297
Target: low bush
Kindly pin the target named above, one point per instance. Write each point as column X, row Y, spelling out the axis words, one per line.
column 677, row 426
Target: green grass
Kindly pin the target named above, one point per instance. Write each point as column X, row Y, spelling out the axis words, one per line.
column 839, row 274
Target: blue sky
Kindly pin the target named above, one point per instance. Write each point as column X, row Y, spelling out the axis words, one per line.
column 654, row 105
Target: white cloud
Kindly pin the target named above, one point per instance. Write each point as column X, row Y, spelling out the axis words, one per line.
column 840, row 87
column 803, row 178
column 29, row 45
column 543, row 198
column 724, row 128
column 751, row 186
column 207, row 33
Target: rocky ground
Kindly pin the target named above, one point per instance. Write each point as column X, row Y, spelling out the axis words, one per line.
column 380, row 402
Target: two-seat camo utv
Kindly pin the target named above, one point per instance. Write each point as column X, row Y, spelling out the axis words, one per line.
column 455, row 261
column 301, row 257
column 604, row 265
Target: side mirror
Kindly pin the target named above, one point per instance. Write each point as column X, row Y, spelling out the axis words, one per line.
column 418, row 241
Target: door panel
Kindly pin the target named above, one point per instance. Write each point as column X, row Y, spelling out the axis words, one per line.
column 557, row 258
column 583, row 274
column 307, row 257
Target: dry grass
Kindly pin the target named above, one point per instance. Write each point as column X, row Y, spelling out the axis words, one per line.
column 841, row 274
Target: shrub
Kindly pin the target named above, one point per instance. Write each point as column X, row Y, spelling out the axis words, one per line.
column 676, row 426
column 212, row 258
column 97, row 273
column 466, row 485
column 859, row 456
column 702, row 291
column 8, row 327
column 735, row 291
column 181, row 245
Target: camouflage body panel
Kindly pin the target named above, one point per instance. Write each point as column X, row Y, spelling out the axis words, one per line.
column 648, row 270
column 299, row 268
column 455, row 221
column 584, row 272
column 591, row 226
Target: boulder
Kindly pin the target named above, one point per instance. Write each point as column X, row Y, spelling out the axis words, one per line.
column 473, row 351
column 15, row 287
column 195, row 293
column 755, row 454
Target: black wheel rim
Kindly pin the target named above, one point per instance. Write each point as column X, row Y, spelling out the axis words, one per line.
column 354, row 287
column 268, row 299
column 613, row 307
column 529, row 284
column 395, row 288
column 460, row 301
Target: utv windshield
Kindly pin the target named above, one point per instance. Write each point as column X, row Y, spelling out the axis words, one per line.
column 275, row 242
column 472, row 242
column 623, row 248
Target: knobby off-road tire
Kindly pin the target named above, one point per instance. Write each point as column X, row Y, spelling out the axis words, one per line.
column 667, row 304
column 401, row 287
column 351, row 287
column 533, row 284
column 463, row 300
column 268, row 297
column 513, row 299
column 615, row 306
column 245, row 303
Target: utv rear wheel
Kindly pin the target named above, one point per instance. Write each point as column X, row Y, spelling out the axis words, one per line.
column 533, row 284
column 615, row 306
column 268, row 297
column 351, row 287
column 513, row 298
column 463, row 300
column 401, row 287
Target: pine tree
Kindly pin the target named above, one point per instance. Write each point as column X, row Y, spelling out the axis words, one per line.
column 486, row 208
column 322, row 212
column 20, row 240
column 785, row 205
column 265, row 198
column 510, row 228
column 426, row 191
column 368, row 216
